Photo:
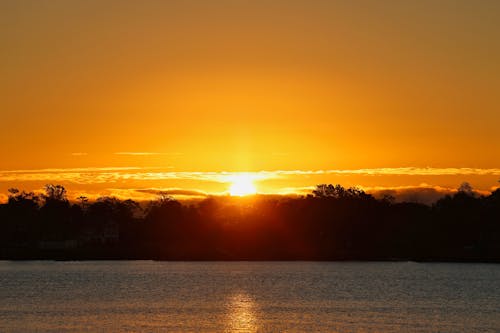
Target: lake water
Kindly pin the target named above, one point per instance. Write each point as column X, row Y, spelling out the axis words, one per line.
column 248, row 297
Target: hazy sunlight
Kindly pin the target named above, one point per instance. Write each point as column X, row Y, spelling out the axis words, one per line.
column 242, row 185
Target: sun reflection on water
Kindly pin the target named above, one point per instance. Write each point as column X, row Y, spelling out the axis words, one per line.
column 241, row 316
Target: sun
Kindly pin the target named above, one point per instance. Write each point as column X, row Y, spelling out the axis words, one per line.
column 242, row 185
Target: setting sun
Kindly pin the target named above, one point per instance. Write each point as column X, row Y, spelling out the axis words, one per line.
column 239, row 165
column 242, row 185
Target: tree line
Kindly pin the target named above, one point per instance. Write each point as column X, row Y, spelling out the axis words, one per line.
column 332, row 223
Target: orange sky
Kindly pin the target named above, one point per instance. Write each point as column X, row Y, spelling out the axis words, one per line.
column 212, row 86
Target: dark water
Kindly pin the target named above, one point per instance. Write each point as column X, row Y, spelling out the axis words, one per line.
column 248, row 296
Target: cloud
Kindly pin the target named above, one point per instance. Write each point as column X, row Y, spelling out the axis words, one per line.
column 122, row 194
column 173, row 192
column 423, row 193
column 101, row 175
column 408, row 171
column 139, row 194
column 79, row 154
column 72, row 175
column 296, row 190
column 145, row 153
column 64, row 170
column 140, row 153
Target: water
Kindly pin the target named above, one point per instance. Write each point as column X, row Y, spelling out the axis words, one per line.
column 248, row 297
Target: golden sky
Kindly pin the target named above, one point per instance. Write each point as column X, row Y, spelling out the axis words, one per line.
column 186, row 87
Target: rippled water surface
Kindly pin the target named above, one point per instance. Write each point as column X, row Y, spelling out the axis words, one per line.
column 248, row 296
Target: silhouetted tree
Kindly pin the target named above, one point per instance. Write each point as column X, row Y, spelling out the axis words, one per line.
column 332, row 223
column 466, row 188
column 55, row 193
column 83, row 201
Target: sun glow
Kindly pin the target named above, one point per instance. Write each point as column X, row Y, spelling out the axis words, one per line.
column 242, row 185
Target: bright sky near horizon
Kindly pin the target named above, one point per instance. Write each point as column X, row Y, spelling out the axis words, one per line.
column 187, row 87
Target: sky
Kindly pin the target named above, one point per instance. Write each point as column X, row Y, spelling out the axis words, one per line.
column 128, row 97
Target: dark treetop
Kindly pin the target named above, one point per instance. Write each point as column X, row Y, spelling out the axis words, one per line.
column 333, row 223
